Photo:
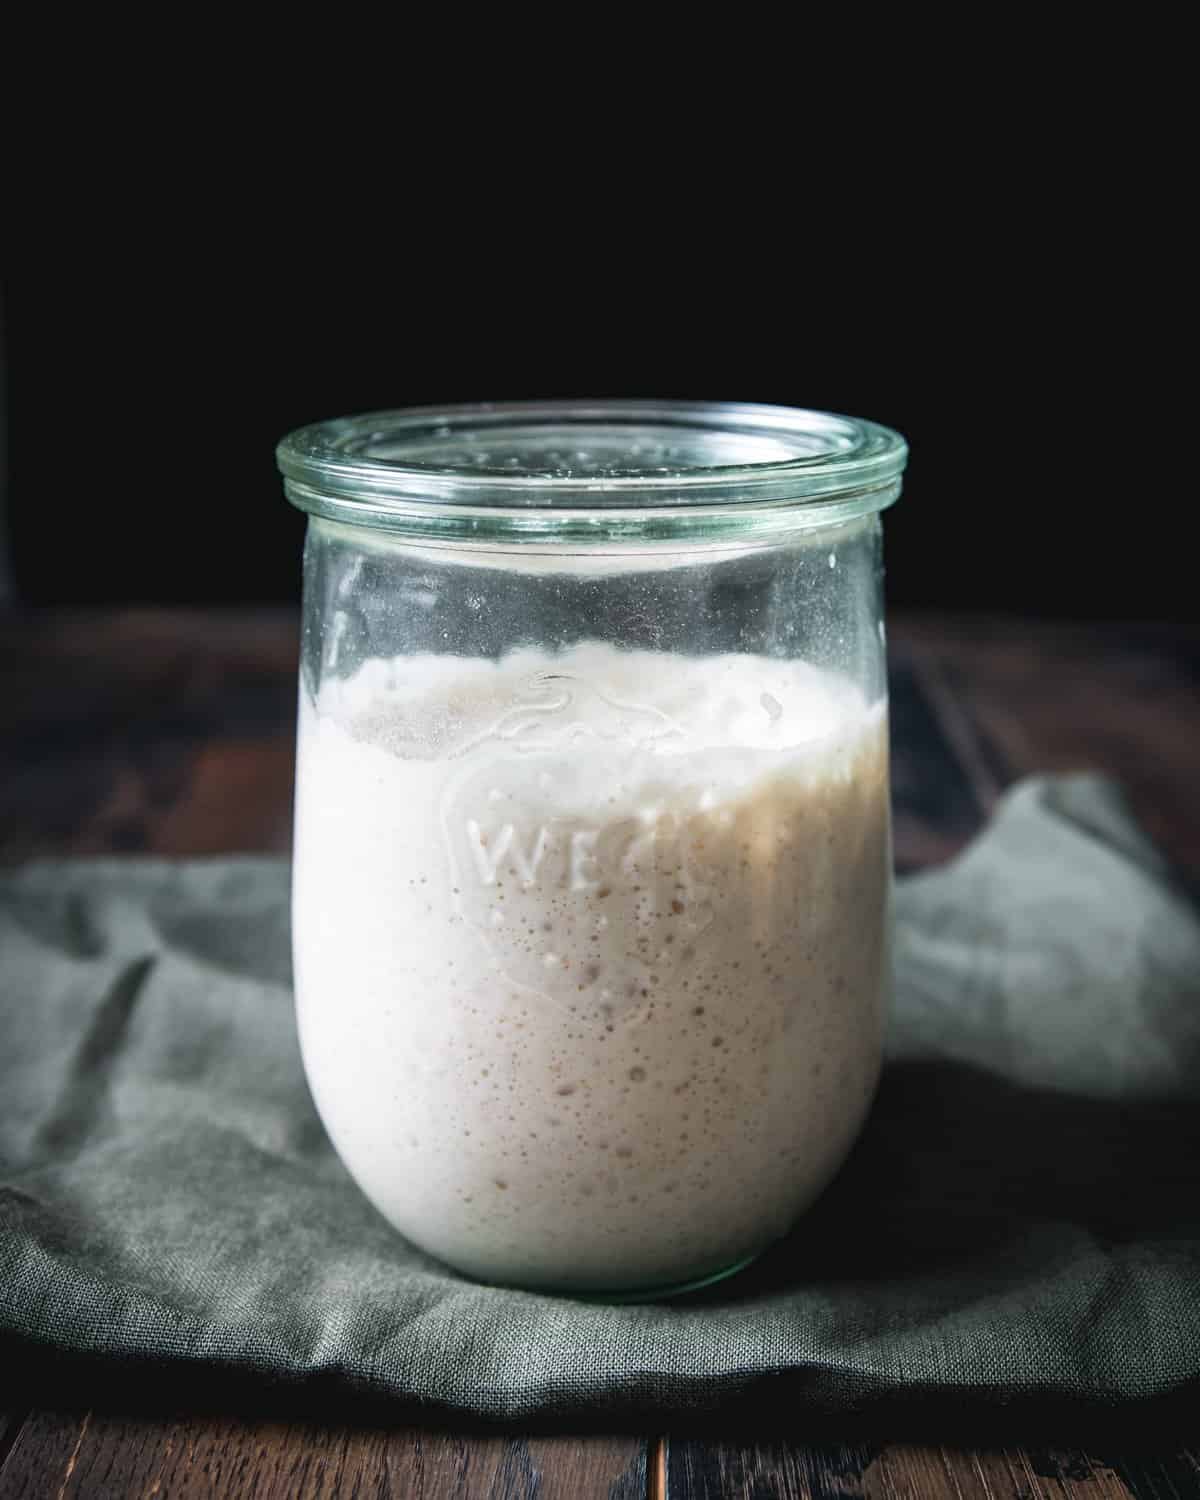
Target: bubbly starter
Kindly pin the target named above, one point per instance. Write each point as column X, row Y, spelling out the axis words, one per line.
column 591, row 951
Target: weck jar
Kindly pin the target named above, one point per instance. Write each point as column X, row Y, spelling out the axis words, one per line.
column 592, row 863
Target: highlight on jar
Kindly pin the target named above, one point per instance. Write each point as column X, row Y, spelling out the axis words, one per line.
column 592, row 883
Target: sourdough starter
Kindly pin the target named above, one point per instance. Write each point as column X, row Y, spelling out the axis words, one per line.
column 591, row 951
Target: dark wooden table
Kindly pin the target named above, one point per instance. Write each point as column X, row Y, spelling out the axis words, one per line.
column 171, row 732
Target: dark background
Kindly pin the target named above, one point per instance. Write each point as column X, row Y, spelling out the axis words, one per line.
column 161, row 335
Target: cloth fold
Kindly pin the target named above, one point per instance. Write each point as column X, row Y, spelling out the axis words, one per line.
column 1019, row 1226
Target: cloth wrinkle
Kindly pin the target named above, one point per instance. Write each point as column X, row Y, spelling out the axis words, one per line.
column 84, row 1100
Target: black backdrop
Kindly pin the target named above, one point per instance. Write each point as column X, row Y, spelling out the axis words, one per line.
column 153, row 360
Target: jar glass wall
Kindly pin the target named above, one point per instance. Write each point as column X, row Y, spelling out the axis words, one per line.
column 592, row 868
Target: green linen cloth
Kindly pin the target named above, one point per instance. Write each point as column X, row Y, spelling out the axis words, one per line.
column 1019, row 1227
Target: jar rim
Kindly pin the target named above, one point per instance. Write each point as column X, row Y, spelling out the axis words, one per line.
column 545, row 467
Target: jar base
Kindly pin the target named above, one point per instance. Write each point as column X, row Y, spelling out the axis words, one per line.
column 659, row 1293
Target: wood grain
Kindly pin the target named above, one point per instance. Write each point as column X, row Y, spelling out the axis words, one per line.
column 899, row 1471
column 698, row 1470
column 158, row 731
column 69, row 1456
column 11, row 1420
column 908, row 1473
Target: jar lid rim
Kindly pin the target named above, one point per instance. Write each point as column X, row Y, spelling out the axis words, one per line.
column 601, row 455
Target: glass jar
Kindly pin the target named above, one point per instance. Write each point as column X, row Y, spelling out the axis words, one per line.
column 592, row 862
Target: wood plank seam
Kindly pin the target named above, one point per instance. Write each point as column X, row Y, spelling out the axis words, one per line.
column 656, row 1469
column 12, row 1424
column 74, row 1458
